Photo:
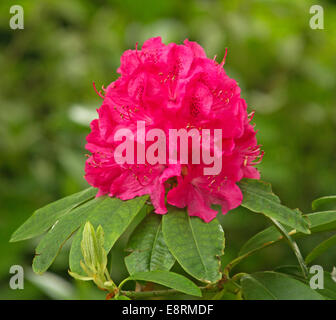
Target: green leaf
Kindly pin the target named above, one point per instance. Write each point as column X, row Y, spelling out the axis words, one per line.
column 170, row 280
column 148, row 249
column 44, row 218
column 321, row 248
column 52, row 242
column 260, row 240
column 114, row 219
column 196, row 245
column 329, row 290
column 276, row 286
column 293, row 246
column 258, row 197
column 320, row 221
column 293, row 271
column 324, row 202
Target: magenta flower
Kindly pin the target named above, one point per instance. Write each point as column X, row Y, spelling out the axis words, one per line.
column 173, row 87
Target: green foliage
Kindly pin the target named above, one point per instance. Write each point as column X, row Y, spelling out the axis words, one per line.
column 99, row 208
column 276, row 286
column 262, row 239
column 329, row 290
column 321, row 248
column 258, row 197
column 148, row 249
column 322, row 221
column 329, row 283
column 51, row 243
column 95, row 258
column 319, row 222
column 168, row 279
column 196, row 245
column 293, row 246
column 114, row 216
column 329, row 201
column 46, row 217
column 283, row 67
column 92, row 245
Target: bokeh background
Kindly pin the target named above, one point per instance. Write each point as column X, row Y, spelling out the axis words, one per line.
column 286, row 71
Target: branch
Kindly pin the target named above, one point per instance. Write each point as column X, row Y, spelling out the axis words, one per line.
column 165, row 293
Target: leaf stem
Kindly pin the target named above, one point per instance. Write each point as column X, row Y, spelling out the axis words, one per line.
column 293, row 246
column 123, row 282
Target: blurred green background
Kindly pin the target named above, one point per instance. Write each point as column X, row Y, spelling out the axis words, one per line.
column 286, row 71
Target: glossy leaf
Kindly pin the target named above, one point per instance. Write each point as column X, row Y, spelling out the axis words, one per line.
column 196, row 245
column 258, row 197
column 329, row 290
column 324, row 202
column 96, row 211
column 321, row 248
column 276, row 286
column 260, row 240
column 44, row 218
column 114, row 219
column 170, row 280
column 329, row 284
column 320, row 221
column 293, row 271
column 51, row 243
column 148, row 249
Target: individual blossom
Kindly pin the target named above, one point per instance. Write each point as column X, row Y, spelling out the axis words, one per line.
column 173, row 87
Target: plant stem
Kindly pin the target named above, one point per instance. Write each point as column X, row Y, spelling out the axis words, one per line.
column 123, row 282
column 164, row 293
column 293, row 246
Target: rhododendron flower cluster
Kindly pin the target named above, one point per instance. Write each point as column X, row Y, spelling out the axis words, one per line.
column 173, row 87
